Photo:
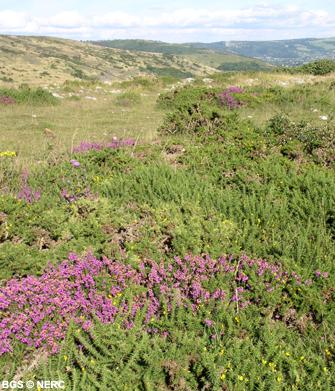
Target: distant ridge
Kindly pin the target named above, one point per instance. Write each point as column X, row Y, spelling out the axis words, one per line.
column 219, row 59
column 277, row 52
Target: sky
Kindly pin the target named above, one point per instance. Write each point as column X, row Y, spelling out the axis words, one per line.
column 169, row 20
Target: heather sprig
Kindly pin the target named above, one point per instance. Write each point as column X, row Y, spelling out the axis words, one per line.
column 228, row 97
column 86, row 146
column 27, row 193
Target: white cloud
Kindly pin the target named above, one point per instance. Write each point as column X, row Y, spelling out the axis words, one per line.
column 70, row 19
column 180, row 25
column 13, row 20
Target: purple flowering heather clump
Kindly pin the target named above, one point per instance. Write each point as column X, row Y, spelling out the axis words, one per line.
column 37, row 311
column 27, row 193
column 227, row 99
column 208, row 322
column 86, row 146
column 7, row 100
column 234, row 90
column 321, row 274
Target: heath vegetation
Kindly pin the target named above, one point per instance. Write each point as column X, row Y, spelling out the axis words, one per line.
column 169, row 234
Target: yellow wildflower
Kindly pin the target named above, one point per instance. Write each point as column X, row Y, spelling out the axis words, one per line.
column 7, row 154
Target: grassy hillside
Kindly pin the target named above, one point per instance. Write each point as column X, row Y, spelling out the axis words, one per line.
column 216, row 59
column 284, row 52
column 173, row 235
column 41, row 60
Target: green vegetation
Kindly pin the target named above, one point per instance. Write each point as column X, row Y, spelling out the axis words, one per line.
column 241, row 66
column 234, row 168
column 320, row 67
column 27, row 95
column 128, row 98
column 169, row 72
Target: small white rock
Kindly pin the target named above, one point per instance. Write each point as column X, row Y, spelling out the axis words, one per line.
column 207, row 80
column 57, row 95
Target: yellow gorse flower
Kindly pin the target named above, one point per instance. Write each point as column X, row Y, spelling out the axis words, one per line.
column 8, row 154
column 272, row 366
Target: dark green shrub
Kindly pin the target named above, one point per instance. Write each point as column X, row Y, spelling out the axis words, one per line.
column 278, row 124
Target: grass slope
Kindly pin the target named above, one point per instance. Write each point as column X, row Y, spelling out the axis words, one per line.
column 42, row 60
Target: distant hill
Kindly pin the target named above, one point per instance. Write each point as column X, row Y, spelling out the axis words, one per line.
column 219, row 59
column 235, row 55
column 39, row 60
column 285, row 52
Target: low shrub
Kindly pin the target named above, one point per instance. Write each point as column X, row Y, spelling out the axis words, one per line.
column 128, row 98
column 28, row 95
column 315, row 141
column 319, row 67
